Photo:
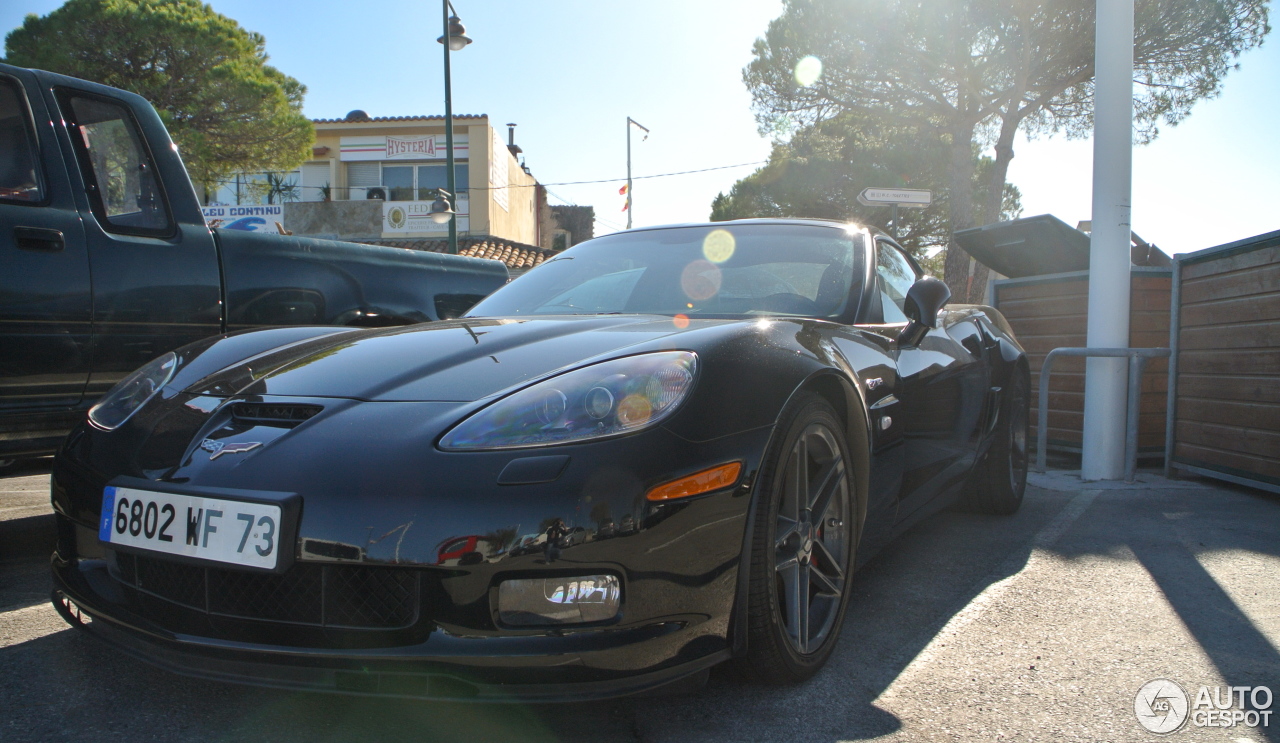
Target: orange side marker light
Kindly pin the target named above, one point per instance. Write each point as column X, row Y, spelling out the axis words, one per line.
column 716, row 478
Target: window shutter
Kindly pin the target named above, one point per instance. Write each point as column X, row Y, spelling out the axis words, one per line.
column 314, row 175
column 361, row 176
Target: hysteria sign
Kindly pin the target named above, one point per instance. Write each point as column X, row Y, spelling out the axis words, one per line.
column 428, row 147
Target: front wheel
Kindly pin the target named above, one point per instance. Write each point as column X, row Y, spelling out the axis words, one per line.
column 802, row 546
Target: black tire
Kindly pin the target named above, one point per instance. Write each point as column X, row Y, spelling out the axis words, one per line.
column 1000, row 479
column 801, row 553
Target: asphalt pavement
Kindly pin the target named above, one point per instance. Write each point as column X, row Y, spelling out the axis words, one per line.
column 1040, row 626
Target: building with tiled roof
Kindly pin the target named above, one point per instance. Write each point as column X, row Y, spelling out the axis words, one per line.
column 374, row 178
column 400, row 163
column 519, row 258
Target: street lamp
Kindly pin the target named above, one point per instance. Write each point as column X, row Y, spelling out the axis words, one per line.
column 441, row 211
column 454, row 39
column 457, row 34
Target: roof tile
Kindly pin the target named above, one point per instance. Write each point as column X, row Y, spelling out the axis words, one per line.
column 516, row 256
column 375, row 119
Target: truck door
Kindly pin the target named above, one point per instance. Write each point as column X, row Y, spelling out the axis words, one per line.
column 45, row 299
column 156, row 283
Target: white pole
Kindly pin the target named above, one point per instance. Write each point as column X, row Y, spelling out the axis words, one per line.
column 1106, row 379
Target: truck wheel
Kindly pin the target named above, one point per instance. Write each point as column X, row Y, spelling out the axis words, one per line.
column 802, row 546
column 1000, row 479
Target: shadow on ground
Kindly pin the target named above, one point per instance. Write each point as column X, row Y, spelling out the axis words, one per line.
column 900, row 600
column 25, row 467
column 66, row 685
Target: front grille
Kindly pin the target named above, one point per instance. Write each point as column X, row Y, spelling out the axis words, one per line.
column 295, row 596
column 359, row 598
column 181, row 584
column 341, row 596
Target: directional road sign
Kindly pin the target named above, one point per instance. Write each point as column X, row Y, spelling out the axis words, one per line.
column 914, row 198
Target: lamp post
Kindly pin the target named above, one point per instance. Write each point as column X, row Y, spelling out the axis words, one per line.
column 630, row 123
column 454, row 39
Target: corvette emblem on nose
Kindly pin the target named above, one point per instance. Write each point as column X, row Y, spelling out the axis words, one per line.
column 218, row 448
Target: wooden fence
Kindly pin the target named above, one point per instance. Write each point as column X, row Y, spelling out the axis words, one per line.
column 1051, row 311
column 1224, row 376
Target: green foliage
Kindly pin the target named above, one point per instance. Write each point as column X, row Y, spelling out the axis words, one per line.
column 277, row 188
column 821, row 170
column 225, row 107
column 974, row 72
column 945, row 61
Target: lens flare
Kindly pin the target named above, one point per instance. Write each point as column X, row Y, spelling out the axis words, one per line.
column 700, row 280
column 634, row 410
column 808, row 70
column 718, row 246
column 680, row 321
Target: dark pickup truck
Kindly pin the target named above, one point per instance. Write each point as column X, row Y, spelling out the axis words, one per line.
column 106, row 261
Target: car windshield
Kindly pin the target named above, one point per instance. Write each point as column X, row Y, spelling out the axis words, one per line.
column 730, row 270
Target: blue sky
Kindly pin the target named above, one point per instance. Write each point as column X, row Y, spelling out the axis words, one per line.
column 569, row 73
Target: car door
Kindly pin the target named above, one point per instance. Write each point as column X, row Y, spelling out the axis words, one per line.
column 45, row 291
column 942, row 388
column 156, row 282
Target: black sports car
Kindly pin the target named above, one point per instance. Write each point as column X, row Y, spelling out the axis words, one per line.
column 660, row 450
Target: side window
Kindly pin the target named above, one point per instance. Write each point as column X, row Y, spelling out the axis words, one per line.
column 896, row 276
column 19, row 170
column 121, row 176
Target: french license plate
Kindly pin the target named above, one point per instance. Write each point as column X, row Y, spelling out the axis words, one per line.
column 228, row 531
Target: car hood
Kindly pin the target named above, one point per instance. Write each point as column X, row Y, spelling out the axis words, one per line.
column 451, row 361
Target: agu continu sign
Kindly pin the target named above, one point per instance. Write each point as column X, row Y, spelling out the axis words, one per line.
column 249, row 218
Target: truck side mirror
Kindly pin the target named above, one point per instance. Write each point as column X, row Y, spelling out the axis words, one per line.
column 924, row 300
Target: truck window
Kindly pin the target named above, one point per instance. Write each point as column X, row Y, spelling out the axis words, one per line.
column 119, row 171
column 19, row 176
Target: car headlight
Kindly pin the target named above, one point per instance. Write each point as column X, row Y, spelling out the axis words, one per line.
column 605, row 399
column 134, row 391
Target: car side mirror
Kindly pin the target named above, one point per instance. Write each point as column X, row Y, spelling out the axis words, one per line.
column 924, row 300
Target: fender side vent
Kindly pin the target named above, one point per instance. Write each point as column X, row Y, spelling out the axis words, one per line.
column 273, row 414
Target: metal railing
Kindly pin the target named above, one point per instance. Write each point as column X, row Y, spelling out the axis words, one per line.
column 1137, row 360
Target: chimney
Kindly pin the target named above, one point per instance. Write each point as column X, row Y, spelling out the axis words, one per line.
column 511, row 141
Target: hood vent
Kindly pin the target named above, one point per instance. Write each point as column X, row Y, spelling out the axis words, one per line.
column 272, row 414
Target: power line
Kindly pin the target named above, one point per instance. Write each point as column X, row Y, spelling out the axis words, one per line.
column 640, row 177
column 532, row 185
column 607, row 223
column 558, row 196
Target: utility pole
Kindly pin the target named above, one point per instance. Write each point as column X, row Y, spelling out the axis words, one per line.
column 630, row 123
column 1106, row 379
